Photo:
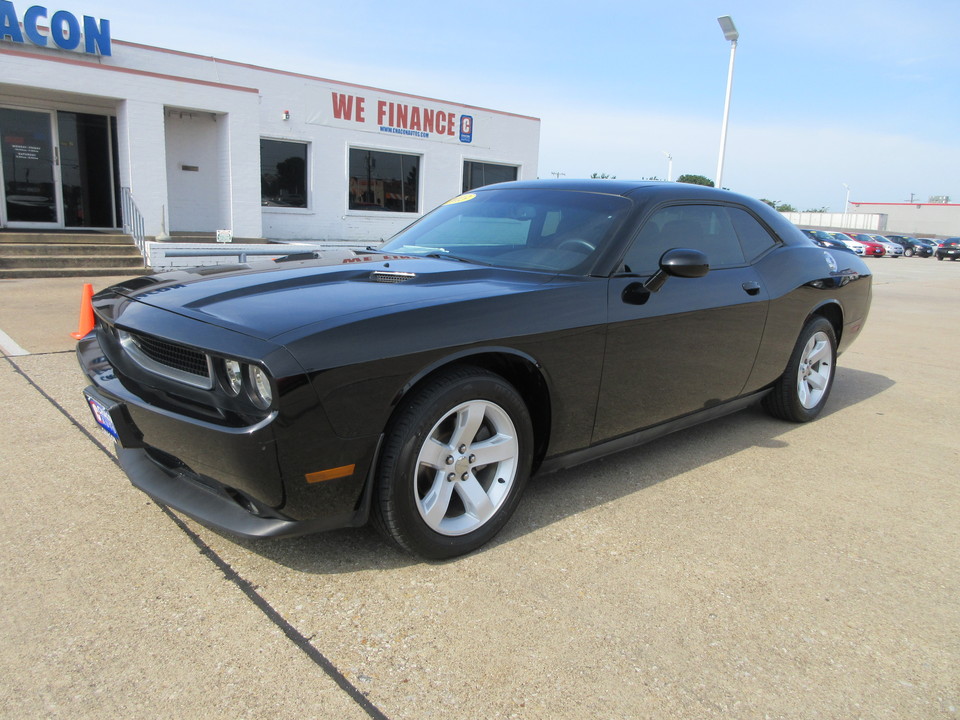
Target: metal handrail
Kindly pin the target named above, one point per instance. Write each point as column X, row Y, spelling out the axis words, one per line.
column 240, row 252
column 133, row 221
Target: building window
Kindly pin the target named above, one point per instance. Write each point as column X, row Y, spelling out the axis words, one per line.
column 477, row 174
column 283, row 174
column 384, row 181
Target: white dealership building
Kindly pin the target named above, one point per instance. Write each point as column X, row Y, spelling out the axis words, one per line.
column 198, row 144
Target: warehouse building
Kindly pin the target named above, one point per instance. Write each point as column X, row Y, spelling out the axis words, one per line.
column 941, row 219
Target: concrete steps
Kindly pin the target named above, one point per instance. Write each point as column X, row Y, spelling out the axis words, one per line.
column 61, row 254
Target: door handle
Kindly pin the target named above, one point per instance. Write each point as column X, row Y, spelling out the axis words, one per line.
column 751, row 288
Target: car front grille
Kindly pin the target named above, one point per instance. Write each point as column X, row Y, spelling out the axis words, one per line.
column 172, row 360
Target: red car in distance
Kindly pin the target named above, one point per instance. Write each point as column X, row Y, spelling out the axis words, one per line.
column 871, row 247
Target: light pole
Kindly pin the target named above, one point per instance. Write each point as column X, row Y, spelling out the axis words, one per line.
column 846, row 202
column 729, row 33
column 669, row 166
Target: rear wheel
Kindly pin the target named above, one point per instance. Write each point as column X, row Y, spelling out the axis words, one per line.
column 454, row 464
column 908, row 252
column 802, row 391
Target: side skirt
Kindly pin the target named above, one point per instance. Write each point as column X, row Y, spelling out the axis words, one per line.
column 625, row 442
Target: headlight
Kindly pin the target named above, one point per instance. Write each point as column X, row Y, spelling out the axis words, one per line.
column 261, row 393
column 233, row 376
column 240, row 380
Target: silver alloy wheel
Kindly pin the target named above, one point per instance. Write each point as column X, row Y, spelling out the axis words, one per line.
column 816, row 367
column 466, row 467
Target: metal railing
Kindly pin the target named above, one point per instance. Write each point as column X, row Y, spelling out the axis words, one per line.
column 162, row 253
column 240, row 252
column 133, row 221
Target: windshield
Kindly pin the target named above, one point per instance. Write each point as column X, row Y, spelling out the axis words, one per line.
column 552, row 230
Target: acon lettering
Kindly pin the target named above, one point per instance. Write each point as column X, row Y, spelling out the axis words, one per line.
column 64, row 29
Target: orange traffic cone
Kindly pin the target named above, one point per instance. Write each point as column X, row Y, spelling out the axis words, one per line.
column 86, row 312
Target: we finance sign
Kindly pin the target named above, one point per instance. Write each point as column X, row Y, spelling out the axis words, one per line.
column 400, row 118
column 60, row 29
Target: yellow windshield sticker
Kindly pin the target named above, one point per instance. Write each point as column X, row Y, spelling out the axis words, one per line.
column 461, row 198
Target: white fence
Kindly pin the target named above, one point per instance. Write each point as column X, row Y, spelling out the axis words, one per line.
column 877, row 222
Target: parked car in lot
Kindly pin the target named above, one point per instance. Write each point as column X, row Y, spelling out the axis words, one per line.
column 912, row 246
column 825, row 239
column 891, row 249
column 519, row 328
column 871, row 248
column 949, row 248
column 858, row 247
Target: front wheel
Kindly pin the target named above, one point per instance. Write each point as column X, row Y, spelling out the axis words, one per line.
column 801, row 392
column 454, row 464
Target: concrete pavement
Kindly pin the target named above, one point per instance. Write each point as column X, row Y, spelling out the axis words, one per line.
column 745, row 568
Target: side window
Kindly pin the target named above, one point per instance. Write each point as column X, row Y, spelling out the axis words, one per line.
column 707, row 228
column 754, row 239
column 643, row 257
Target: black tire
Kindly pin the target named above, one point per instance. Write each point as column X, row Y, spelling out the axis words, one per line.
column 802, row 391
column 939, row 257
column 435, row 496
column 908, row 252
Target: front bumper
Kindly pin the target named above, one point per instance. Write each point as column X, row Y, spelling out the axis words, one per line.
column 229, row 478
column 213, row 504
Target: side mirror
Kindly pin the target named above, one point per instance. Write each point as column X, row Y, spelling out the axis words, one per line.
column 679, row 262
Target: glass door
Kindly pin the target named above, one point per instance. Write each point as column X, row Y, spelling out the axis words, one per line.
column 86, row 170
column 30, row 188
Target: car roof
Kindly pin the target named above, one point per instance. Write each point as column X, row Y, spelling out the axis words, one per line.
column 646, row 192
column 636, row 188
column 649, row 194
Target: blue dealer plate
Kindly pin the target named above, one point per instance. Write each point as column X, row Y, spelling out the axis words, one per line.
column 102, row 416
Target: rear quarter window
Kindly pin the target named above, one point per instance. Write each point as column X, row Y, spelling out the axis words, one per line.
column 754, row 238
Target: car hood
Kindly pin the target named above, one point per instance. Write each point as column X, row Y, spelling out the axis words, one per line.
column 268, row 299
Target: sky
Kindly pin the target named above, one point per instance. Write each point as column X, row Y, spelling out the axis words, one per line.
column 825, row 94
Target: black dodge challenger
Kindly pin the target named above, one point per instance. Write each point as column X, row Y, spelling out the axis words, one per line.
column 518, row 328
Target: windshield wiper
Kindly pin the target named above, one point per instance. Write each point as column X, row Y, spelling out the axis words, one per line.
column 448, row 256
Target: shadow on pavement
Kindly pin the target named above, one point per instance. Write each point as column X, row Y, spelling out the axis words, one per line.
column 552, row 498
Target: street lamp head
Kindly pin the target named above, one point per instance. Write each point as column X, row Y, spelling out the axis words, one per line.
column 729, row 29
